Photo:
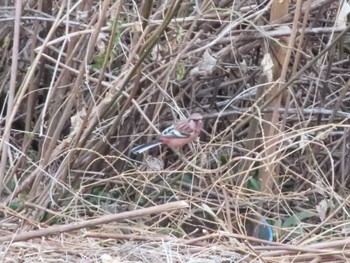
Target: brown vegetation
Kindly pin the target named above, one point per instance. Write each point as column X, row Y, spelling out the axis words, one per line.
column 82, row 82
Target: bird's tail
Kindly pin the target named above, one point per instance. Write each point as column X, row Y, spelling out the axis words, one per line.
column 144, row 147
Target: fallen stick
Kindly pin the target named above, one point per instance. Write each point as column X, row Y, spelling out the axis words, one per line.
column 93, row 222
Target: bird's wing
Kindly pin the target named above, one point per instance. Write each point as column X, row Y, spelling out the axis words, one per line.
column 172, row 132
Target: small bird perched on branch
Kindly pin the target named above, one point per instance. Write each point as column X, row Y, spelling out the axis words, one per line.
column 177, row 135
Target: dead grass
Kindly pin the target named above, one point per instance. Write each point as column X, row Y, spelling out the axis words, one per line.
column 80, row 85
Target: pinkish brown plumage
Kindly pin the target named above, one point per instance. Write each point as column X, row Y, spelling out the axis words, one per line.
column 177, row 135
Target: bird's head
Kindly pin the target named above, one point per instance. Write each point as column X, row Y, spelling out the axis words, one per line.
column 196, row 121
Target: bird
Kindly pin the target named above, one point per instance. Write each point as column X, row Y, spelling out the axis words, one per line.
column 177, row 135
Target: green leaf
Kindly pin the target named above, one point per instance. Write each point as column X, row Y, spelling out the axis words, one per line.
column 180, row 72
column 99, row 61
column 187, row 178
column 295, row 219
column 14, row 205
column 224, row 159
column 142, row 202
column 30, row 135
column 253, row 184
